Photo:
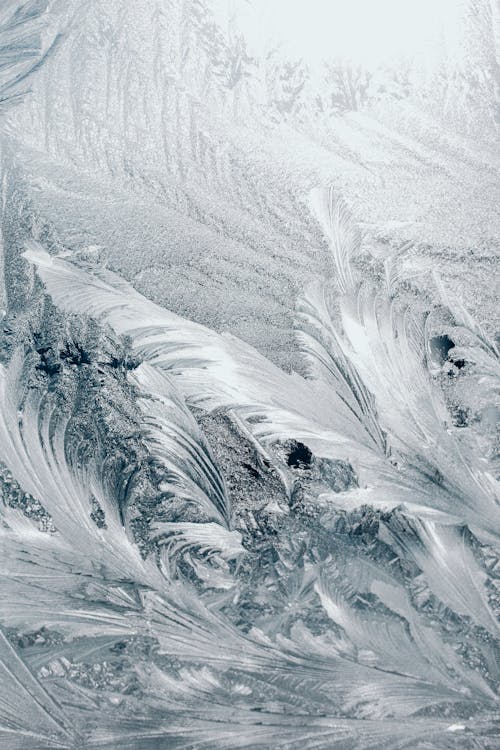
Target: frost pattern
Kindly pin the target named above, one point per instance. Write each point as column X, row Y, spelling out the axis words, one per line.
column 248, row 453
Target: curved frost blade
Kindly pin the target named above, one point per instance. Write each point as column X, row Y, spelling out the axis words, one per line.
column 176, row 442
column 29, row 717
column 22, row 51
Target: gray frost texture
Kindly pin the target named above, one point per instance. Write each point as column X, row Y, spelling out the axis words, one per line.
column 249, row 375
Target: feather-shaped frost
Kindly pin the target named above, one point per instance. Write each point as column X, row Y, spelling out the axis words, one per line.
column 176, row 442
column 23, row 49
column 374, row 355
column 211, row 370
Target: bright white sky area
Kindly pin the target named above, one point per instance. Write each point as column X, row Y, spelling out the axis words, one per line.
column 364, row 31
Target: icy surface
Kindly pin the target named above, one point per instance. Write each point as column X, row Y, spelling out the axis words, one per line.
column 249, row 382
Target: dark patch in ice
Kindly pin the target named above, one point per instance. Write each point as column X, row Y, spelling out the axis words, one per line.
column 118, row 647
column 300, row 456
column 440, row 346
column 123, row 363
column 74, row 354
column 41, row 637
column 48, row 361
column 460, row 417
column 251, row 470
column 97, row 514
